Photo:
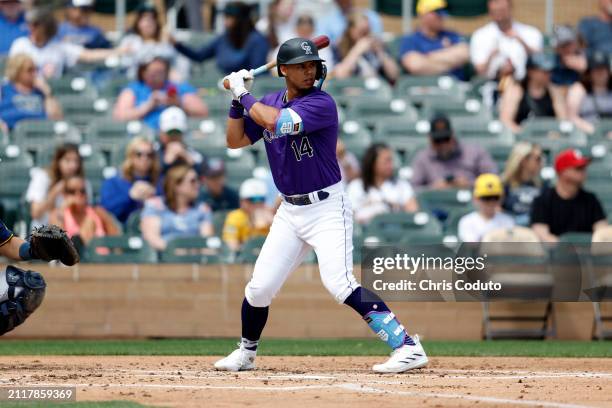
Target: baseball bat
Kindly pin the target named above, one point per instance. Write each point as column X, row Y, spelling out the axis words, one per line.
column 320, row 41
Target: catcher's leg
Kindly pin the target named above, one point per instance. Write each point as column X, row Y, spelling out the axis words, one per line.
column 21, row 292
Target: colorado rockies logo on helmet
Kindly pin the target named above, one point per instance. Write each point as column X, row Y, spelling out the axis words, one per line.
column 306, row 47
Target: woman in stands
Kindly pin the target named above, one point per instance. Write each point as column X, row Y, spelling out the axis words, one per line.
column 82, row 221
column 590, row 100
column 177, row 213
column 146, row 98
column 360, row 53
column 52, row 56
column 377, row 191
column 534, row 97
column 24, row 95
column 46, row 189
column 145, row 40
column 521, row 179
column 126, row 192
column 241, row 46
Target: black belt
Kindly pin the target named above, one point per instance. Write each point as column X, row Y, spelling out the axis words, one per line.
column 304, row 199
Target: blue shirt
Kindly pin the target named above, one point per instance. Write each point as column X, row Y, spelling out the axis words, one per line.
column 302, row 150
column 419, row 42
column 142, row 93
column 88, row 36
column 15, row 106
column 11, row 31
column 597, row 34
column 229, row 59
column 5, row 234
column 562, row 75
column 175, row 225
column 115, row 197
column 227, row 200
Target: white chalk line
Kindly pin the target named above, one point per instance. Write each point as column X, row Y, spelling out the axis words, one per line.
column 345, row 386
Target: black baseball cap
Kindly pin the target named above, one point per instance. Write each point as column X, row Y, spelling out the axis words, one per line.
column 213, row 167
column 440, row 127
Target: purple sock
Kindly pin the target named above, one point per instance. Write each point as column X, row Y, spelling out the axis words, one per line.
column 253, row 322
column 372, row 304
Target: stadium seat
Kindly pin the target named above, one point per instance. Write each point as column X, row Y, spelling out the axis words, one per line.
column 71, row 85
column 343, row 90
column 119, row 249
column 82, row 110
column 219, row 221
column 355, row 136
column 250, row 250
column 206, row 76
column 603, row 130
column 14, row 180
column 218, row 105
column 420, row 89
column 266, row 84
column 442, row 202
column 499, row 153
column 549, row 132
column 599, row 279
column 34, row 133
column 371, row 111
column 132, row 224
column 396, row 227
column 197, row 250
column 471, row 108
column 114, row 87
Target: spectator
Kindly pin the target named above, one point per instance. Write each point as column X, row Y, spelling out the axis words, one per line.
column 488, row 193
column 590, row 100
column 46, row 188
column 12, row 23
column 377, row 191
column 349, row 165
column 360, row 53
column 252, row 219
column 432, row 50
column 336, row 21
column 77, row 28
column 501, row 48
column 215, row 193
column 125, row 193
column 533, row 97
column 240, row 47
column 51, row 55
column 305, row 27
column 24, row 95
column 448, row 163
column 176, row 214
column 278, row 24
column 145, row 41
column 570, row 60
column 522, row 183
column 596, row 31
column 146, row 98
column 172, row 148
column 567, row 207
column 82, row 221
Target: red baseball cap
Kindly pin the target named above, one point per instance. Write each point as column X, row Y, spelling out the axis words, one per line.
column 570, row 158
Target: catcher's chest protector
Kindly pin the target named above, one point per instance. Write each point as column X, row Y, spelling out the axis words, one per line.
column 21, row 292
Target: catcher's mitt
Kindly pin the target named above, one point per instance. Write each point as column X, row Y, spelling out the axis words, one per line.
column 50, row 242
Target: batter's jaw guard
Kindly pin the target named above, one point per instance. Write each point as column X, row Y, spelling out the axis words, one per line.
column 296, row 51
column 320, row 80
column 21, row 292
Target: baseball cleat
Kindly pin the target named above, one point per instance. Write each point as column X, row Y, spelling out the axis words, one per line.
column 240, row 359
column 404, row 358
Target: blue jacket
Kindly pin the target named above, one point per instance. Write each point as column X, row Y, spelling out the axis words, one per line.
column 229, row 59
column 115, row 198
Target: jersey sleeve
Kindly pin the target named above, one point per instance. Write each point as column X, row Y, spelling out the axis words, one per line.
column 253, row 131
column 313, row 112
column 5, row 234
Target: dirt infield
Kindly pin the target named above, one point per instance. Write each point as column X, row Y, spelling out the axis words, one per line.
column 322, row 381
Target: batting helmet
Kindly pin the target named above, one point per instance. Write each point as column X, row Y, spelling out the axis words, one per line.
column 296, row 51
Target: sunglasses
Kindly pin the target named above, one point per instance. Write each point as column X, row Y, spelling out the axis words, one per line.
column 490, row 198
column 441, row 140
column 147, row 154
column 256, row 200
column 74, row 191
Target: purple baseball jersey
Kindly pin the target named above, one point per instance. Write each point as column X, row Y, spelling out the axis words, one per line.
column 302, row 150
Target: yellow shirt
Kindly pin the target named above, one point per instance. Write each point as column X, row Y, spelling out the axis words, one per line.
column 238, row 228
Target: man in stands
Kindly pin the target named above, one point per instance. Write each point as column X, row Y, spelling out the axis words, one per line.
column 77, row 28
column 12, row 24
column 596, row 31
column 432, row 50
column 215, row 193
column 501, row 47
column 448, row 163
column 567, row 207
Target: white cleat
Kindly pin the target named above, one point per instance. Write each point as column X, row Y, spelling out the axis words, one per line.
column 404, row 358
column 240, row 359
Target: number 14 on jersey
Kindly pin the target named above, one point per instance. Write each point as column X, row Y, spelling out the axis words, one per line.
column 305, row 149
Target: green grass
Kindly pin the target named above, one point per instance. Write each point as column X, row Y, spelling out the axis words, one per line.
column 84, row 404
column 303, row 347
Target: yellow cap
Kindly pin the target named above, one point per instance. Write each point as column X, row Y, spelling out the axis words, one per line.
column 427, row 6
column 487, row 185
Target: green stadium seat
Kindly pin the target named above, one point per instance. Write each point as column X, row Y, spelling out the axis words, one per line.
column 395, row 227
column 472, row 108
column 206, row 76
column 250, row 250
column 15, row 177
column 33, row 133
column 603, row 130
column 344, row 90
column 119, row 249
column 218, row 105
column 371, row 111
column 71, row 85
column 420, row 89
column 443, row 202
column 219, row 221
column 132, row 224
column 549, row 133
column 196, row 250
column 82, row 110
column 113, row 88
column 267, row 84
column 451, row 226
column 500, row 154
column 355, row 136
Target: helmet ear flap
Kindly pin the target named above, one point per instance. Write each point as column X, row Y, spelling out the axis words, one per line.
column 319, row 73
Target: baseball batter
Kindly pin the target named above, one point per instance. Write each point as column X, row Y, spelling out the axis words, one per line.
column 299, row 126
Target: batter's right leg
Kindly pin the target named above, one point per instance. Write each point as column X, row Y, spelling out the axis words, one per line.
column 281, row 253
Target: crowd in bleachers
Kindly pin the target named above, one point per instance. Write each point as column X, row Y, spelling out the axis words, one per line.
column 466, row 133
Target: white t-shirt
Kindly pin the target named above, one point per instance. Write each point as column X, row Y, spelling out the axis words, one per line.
column 57, row 54
column 472, row 226
column 486, row 39
column 390, row 195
